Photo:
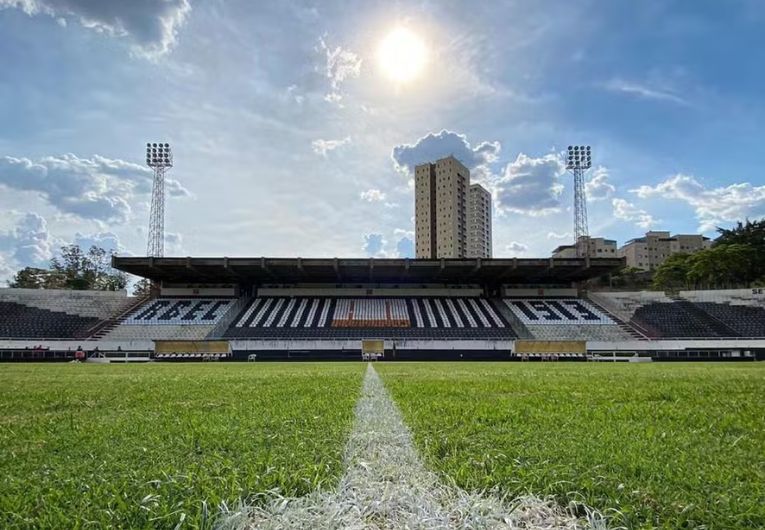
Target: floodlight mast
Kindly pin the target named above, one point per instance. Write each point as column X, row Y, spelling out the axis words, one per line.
column 159, row 157
column 578, row 162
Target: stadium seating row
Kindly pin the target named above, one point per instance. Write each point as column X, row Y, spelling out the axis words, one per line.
column 303, row 312
column 21, row 321
column 570, row 311
column 180, row 311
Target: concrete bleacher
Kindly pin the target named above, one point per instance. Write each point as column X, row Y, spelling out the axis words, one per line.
column 741, row 310
column 50, row 314
column 185, row 318
column 690, row 314
column 96, row 304
column 341, row 317
column 564, row 319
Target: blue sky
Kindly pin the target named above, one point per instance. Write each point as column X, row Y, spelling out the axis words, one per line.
column 289, row 140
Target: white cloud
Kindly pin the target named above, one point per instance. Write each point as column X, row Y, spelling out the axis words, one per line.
column 530, row 186
column 372, row 195
column 712, row 206
column 341, row 64
column 555, row 235
column 96, row 188
column 322, row 147
column 374, row 245
column 598, row 188
column 629, row 212
column 152, row 26
column 29, row 243
column 644, row 91
column 514, row 248
column 434, row 146
column 108, row 241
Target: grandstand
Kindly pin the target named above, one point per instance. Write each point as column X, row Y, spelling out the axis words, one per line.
column 262, row 308
column 55, row 314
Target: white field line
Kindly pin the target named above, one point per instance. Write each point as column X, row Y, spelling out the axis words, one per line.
column 387, row 486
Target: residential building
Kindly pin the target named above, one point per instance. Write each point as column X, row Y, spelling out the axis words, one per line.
column 440, row 204
column 479, row 222
column 650, row 251
column 597, row 247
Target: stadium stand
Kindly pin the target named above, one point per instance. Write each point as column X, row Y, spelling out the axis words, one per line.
column 692, row 314
column 334, row 317
column 21, row 321
column 741, row 311
column 48, row 313
column 172, row 318
column 565, row 319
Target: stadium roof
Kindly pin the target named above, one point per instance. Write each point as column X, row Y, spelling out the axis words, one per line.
column 367, row 270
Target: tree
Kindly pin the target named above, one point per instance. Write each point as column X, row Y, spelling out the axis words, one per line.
column 673, row 273
column 74, row 269
column 31, row 278
column 748, row 233
column 142, row 287
column 724, row 266
column 631, row 278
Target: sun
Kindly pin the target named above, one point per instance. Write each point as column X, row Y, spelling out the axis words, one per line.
column 402, row 55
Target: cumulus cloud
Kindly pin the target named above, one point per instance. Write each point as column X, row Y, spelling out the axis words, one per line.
column 96, row 188
column 372, row 195
column 433, row 146
column 341, row 64
column 150, row 25
column 29, row 243
column 514, row 248
column 530, row 186
column 598, row 188
column 108, row 241
column 712, row 206
column 629, row 212
column 374, row 245
column 322, row 147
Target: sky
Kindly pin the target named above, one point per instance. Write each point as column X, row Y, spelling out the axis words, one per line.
column 290, row 138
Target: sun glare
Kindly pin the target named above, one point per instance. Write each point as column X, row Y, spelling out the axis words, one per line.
column 402, row 55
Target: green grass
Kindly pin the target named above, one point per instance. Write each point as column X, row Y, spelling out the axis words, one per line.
column 148, row 446
column 667, row 445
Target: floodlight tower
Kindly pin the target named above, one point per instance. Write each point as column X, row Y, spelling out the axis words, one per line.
column 159, row 157
column 579, row 161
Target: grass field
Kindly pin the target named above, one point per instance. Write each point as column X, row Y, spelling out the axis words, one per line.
column 667, row 445
column 149, row 446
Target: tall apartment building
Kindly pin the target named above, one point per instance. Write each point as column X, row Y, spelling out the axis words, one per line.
column 479, row 222
column 650, row 251
column 452, row 219
column 597, row 247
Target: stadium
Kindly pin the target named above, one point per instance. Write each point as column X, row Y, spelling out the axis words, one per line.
column 389, row 294
column 239, row 309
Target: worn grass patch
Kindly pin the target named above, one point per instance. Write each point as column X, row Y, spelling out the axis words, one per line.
column 666, row 445
column 148, row 446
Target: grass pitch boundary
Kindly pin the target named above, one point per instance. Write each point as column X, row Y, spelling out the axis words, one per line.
column 386, row 486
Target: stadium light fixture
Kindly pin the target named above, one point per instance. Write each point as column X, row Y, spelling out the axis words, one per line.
column 579, row 157
column 578, row 161
column 159, row 157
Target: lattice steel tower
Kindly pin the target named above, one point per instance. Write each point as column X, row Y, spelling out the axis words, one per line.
column 579, row 161
column 159, row 157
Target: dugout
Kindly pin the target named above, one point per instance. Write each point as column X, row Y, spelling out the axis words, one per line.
column 547, row 349
column 193, row 350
